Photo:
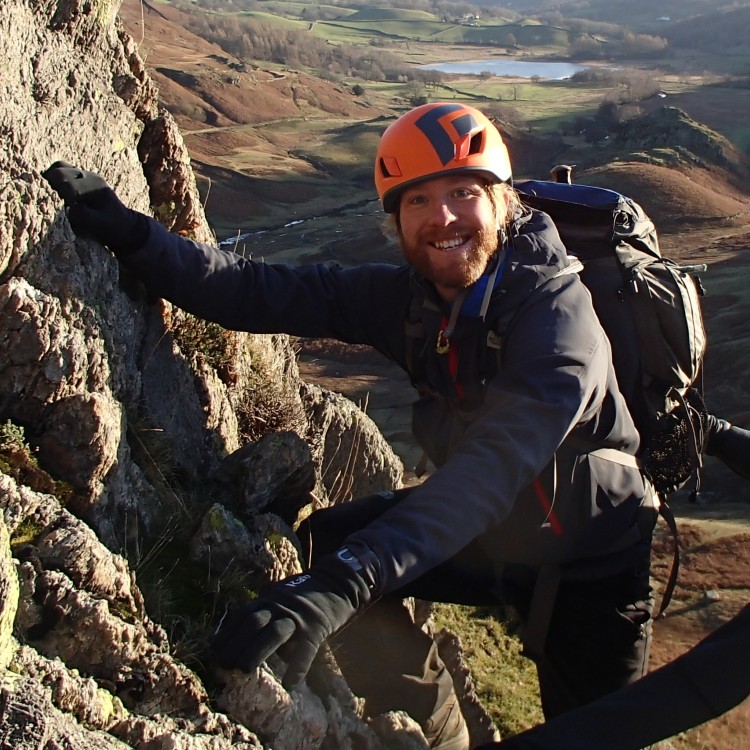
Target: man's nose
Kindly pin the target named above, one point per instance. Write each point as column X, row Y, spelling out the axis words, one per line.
column 442, row 213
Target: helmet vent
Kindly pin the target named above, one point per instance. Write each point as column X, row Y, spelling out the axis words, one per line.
column 389, row 167
column 475, row 145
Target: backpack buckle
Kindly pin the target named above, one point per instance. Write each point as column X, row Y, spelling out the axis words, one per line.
column 494, row 340
column 443, row 345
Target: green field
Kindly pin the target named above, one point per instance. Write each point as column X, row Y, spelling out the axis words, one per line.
column 279, row 22
column 422, row 27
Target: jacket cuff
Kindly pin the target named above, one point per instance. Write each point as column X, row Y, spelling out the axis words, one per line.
column 361, row 560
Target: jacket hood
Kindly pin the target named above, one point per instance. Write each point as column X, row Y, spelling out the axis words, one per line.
column 528, row 256
column 536, row 254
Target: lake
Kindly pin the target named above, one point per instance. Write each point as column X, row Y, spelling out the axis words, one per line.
column 556, row 71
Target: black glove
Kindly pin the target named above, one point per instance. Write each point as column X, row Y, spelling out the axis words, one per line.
column 294, row 618
column 94, row 210
column 730, row 444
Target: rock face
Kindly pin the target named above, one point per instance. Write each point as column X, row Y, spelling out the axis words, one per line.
column 150, row 464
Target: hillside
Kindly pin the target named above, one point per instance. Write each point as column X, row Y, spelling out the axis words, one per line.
column 687, row 24
column 244, row 123
column 712, row 31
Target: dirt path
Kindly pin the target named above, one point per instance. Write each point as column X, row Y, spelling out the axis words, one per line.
column 713, row 585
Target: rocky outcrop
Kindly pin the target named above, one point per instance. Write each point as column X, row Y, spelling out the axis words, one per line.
column 150, row 464
column 693, row 142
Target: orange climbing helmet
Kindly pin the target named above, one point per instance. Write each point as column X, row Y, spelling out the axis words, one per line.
column 434, row 140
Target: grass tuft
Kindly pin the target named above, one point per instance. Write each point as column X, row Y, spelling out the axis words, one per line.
column 505, row 681
column 17, row 460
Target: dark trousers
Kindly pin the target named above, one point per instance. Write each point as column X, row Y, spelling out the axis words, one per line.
column 697, row 686
column 598, row 638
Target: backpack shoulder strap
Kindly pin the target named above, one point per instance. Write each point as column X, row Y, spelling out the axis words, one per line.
column 415, row 335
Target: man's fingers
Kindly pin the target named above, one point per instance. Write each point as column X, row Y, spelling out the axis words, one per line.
column 236, row 623
column 260, row 645
column 57, row 165
column 62, row 180
column 57, row 170
column 234, row 630
column 299, row 658
column 71, row 183
column 245, row 640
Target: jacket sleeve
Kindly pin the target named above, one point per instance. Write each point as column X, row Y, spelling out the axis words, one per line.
column 240, row 294
column 556, row 375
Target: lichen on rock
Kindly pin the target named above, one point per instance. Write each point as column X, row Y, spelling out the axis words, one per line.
column 112, row 555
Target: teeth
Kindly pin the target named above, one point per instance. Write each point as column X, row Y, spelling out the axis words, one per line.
column 447, row 244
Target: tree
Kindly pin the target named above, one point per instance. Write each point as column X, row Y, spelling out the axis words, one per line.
column 608, row 114
column 431, row 78
column 414, row 91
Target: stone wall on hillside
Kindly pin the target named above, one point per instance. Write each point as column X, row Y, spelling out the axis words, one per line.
column 136, row 474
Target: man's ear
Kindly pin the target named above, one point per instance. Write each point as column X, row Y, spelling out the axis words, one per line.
column 502, row 205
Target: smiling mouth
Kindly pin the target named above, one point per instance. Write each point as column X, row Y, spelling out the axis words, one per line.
column 451, row 243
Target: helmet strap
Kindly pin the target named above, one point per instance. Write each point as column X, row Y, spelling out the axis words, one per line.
column 477, row 300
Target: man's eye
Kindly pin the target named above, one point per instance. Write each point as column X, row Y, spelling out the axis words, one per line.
column 466, row 192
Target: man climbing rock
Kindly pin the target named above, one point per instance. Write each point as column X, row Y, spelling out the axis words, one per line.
column 536, row 499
